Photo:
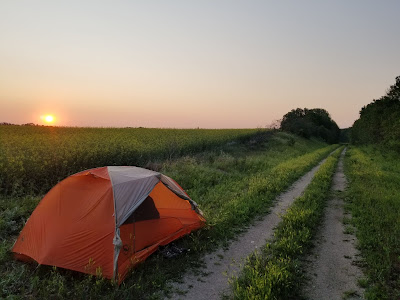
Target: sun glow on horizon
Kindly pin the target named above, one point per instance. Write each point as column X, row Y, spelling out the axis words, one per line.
column 47, row 118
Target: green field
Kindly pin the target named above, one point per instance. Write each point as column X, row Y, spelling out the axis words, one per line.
column 233, row 182
column 34, row 158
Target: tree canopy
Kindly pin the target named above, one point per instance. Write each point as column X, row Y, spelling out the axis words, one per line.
column 379, row 121
column 308, row 123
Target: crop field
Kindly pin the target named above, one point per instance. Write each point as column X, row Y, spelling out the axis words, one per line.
column 34, row 158
column 234, row 182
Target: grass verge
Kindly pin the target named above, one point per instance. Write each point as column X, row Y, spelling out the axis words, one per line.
column 233, row 185
column 276, row 272
column 373, row 198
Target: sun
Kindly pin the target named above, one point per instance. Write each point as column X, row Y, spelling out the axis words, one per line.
column 48, row 118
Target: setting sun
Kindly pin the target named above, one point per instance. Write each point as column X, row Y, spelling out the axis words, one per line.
column 48, row 118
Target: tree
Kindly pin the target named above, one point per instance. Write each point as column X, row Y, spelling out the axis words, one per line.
column 311, row 122
column 379, row 121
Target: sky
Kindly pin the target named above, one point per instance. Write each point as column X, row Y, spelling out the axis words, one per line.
column 189, row 64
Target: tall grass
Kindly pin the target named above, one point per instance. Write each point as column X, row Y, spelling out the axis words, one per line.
column 374, row 202
column 232, row 199
column 275, row 273
column 233, row 185
column 34, row 158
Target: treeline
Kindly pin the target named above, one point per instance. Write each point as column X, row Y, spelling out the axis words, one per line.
column 379, row 121
column 308, row 123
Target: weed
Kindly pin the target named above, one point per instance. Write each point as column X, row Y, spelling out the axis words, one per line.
column 349, row 294
column 346, row 220
column 349, row 230
column 363, row 282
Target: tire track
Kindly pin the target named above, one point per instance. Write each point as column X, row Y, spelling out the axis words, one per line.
column 222, row 265
column 331, row 266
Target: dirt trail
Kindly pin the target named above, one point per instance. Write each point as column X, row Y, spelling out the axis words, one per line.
column 221, row 265
column 333, row 274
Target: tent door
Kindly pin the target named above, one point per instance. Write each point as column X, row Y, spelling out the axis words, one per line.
column 146, row 211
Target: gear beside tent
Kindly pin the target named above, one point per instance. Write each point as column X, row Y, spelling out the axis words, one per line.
column 107, row 220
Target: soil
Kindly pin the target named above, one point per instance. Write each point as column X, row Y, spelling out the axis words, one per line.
column 331, row 267
column 220, row 266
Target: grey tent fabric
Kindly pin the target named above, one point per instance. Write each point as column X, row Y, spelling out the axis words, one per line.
column 131, row 186
column 128, row 196
column 124, row 174
column 168, row 182
column 171, row 184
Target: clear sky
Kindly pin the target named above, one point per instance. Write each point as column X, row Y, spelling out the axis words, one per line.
column 186, row 64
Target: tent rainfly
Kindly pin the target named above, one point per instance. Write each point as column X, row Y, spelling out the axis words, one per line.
column 107, row 220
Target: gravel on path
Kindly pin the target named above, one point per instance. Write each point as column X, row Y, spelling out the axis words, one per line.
column 331, row 266
column 222, row 265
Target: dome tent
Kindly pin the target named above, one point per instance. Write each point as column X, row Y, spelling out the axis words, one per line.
column 107, row 220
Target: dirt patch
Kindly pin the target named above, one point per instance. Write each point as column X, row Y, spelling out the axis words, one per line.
column 222, row 265
column 331, row 267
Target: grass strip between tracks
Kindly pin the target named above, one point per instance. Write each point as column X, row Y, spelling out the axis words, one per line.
column 276, row 272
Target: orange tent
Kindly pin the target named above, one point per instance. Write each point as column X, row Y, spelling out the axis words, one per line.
column 106, row 220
